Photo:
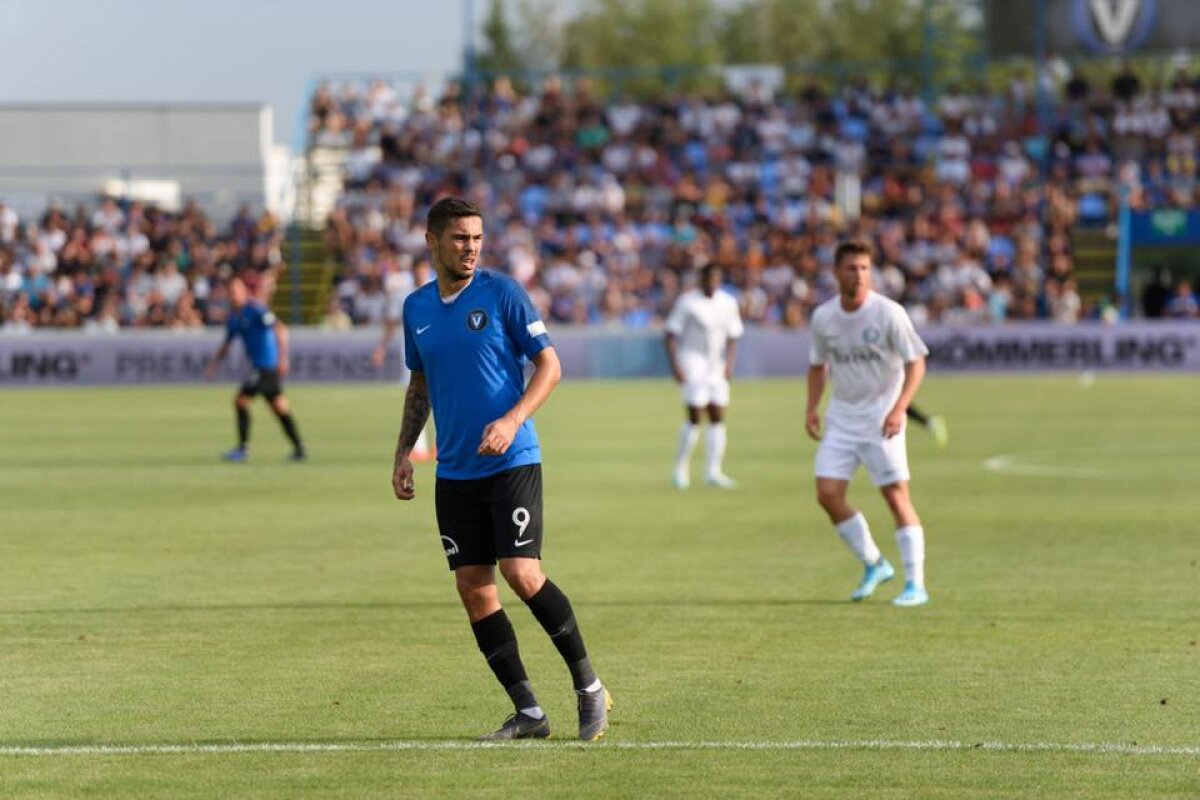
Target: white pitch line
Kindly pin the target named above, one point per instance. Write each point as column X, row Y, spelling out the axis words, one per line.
column 1012, row 465
column 401, row 745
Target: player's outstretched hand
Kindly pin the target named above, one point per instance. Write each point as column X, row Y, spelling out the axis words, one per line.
column 497, row 436
column 402, row 480
column 812, row 424
column 893, row 423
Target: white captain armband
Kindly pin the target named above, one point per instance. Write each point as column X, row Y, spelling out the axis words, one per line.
column 536, row 328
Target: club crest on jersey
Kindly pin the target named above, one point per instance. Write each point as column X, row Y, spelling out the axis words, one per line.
column 871, row 335
column 477, row 320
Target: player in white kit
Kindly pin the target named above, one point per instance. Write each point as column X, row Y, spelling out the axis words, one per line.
column 867, row 345
column 702, row 332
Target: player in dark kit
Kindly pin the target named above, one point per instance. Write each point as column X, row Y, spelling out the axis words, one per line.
column 266, row 343
column 467, row 337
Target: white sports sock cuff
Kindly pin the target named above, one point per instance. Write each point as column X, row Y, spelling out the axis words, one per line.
column 911, row 540
column 857, row 535
column 849, row 527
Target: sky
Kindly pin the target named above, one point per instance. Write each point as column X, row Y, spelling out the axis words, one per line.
column 178, row 51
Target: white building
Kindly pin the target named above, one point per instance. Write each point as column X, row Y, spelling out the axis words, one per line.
column 222, row 155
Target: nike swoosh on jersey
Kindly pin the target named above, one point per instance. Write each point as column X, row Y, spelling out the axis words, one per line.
column 422, row 330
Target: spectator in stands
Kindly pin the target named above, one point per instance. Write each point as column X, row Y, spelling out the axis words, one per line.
column 106, row 321
column 11, row 281
column 19, row 318
column 8, row 224
column 1156, row 294
column 109, row 217
column 1183, row 304
column 1125, row 84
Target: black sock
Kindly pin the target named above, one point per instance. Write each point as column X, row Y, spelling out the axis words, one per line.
column 918, row 415
column 498, row 642
column 243, row 419
column 553, row 610
column 289, row 427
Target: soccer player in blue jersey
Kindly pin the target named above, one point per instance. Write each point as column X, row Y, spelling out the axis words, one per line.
column 265, row 341
column 467, row 337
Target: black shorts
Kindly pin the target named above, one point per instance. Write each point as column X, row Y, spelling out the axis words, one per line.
column 486, row 519
column 262, row 381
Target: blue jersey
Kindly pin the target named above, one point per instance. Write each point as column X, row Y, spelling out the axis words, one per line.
column 255, row 324
column 473, row 351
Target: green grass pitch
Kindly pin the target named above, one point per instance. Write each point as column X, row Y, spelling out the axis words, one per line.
column 154, row 598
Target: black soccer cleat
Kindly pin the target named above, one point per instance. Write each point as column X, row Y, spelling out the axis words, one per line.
column 593, row 713
column 519, row 726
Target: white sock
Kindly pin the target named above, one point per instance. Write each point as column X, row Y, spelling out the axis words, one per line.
column 594, row 686
column 533, row 711
column 912, row 552
column 688, row 435
column 714, row 448
column 857, row 535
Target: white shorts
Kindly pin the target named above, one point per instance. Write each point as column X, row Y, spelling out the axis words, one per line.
column 710, row 391
column 839, row 455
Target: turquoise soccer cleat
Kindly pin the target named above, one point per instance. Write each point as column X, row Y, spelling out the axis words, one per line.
column 680, row 479
column 875, row 574
column 912, row 595
column 721, row 481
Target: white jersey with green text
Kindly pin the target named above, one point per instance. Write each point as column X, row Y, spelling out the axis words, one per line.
column 866, row 351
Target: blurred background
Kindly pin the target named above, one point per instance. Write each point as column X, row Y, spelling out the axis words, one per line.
column 1019, row 165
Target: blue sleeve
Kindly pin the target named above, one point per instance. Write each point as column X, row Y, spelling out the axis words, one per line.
column 229, row 331
column 412, row 356
column 261, row 316
column 522, row 323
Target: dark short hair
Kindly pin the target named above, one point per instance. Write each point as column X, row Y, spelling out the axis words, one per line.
column 850, row 247
column 446, row 209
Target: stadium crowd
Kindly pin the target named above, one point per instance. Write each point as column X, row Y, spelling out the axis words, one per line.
column 125, row 265
column 604, row 209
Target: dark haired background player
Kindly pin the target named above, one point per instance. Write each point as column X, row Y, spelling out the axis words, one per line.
column 265, row 340
column 866, row 345
column 701, row 339
column 467, row 337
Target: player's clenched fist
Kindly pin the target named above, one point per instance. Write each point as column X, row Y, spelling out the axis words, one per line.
column 812, row 424
column 402, row 480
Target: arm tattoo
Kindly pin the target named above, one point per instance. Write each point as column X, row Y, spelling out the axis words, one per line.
column 416, row 413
